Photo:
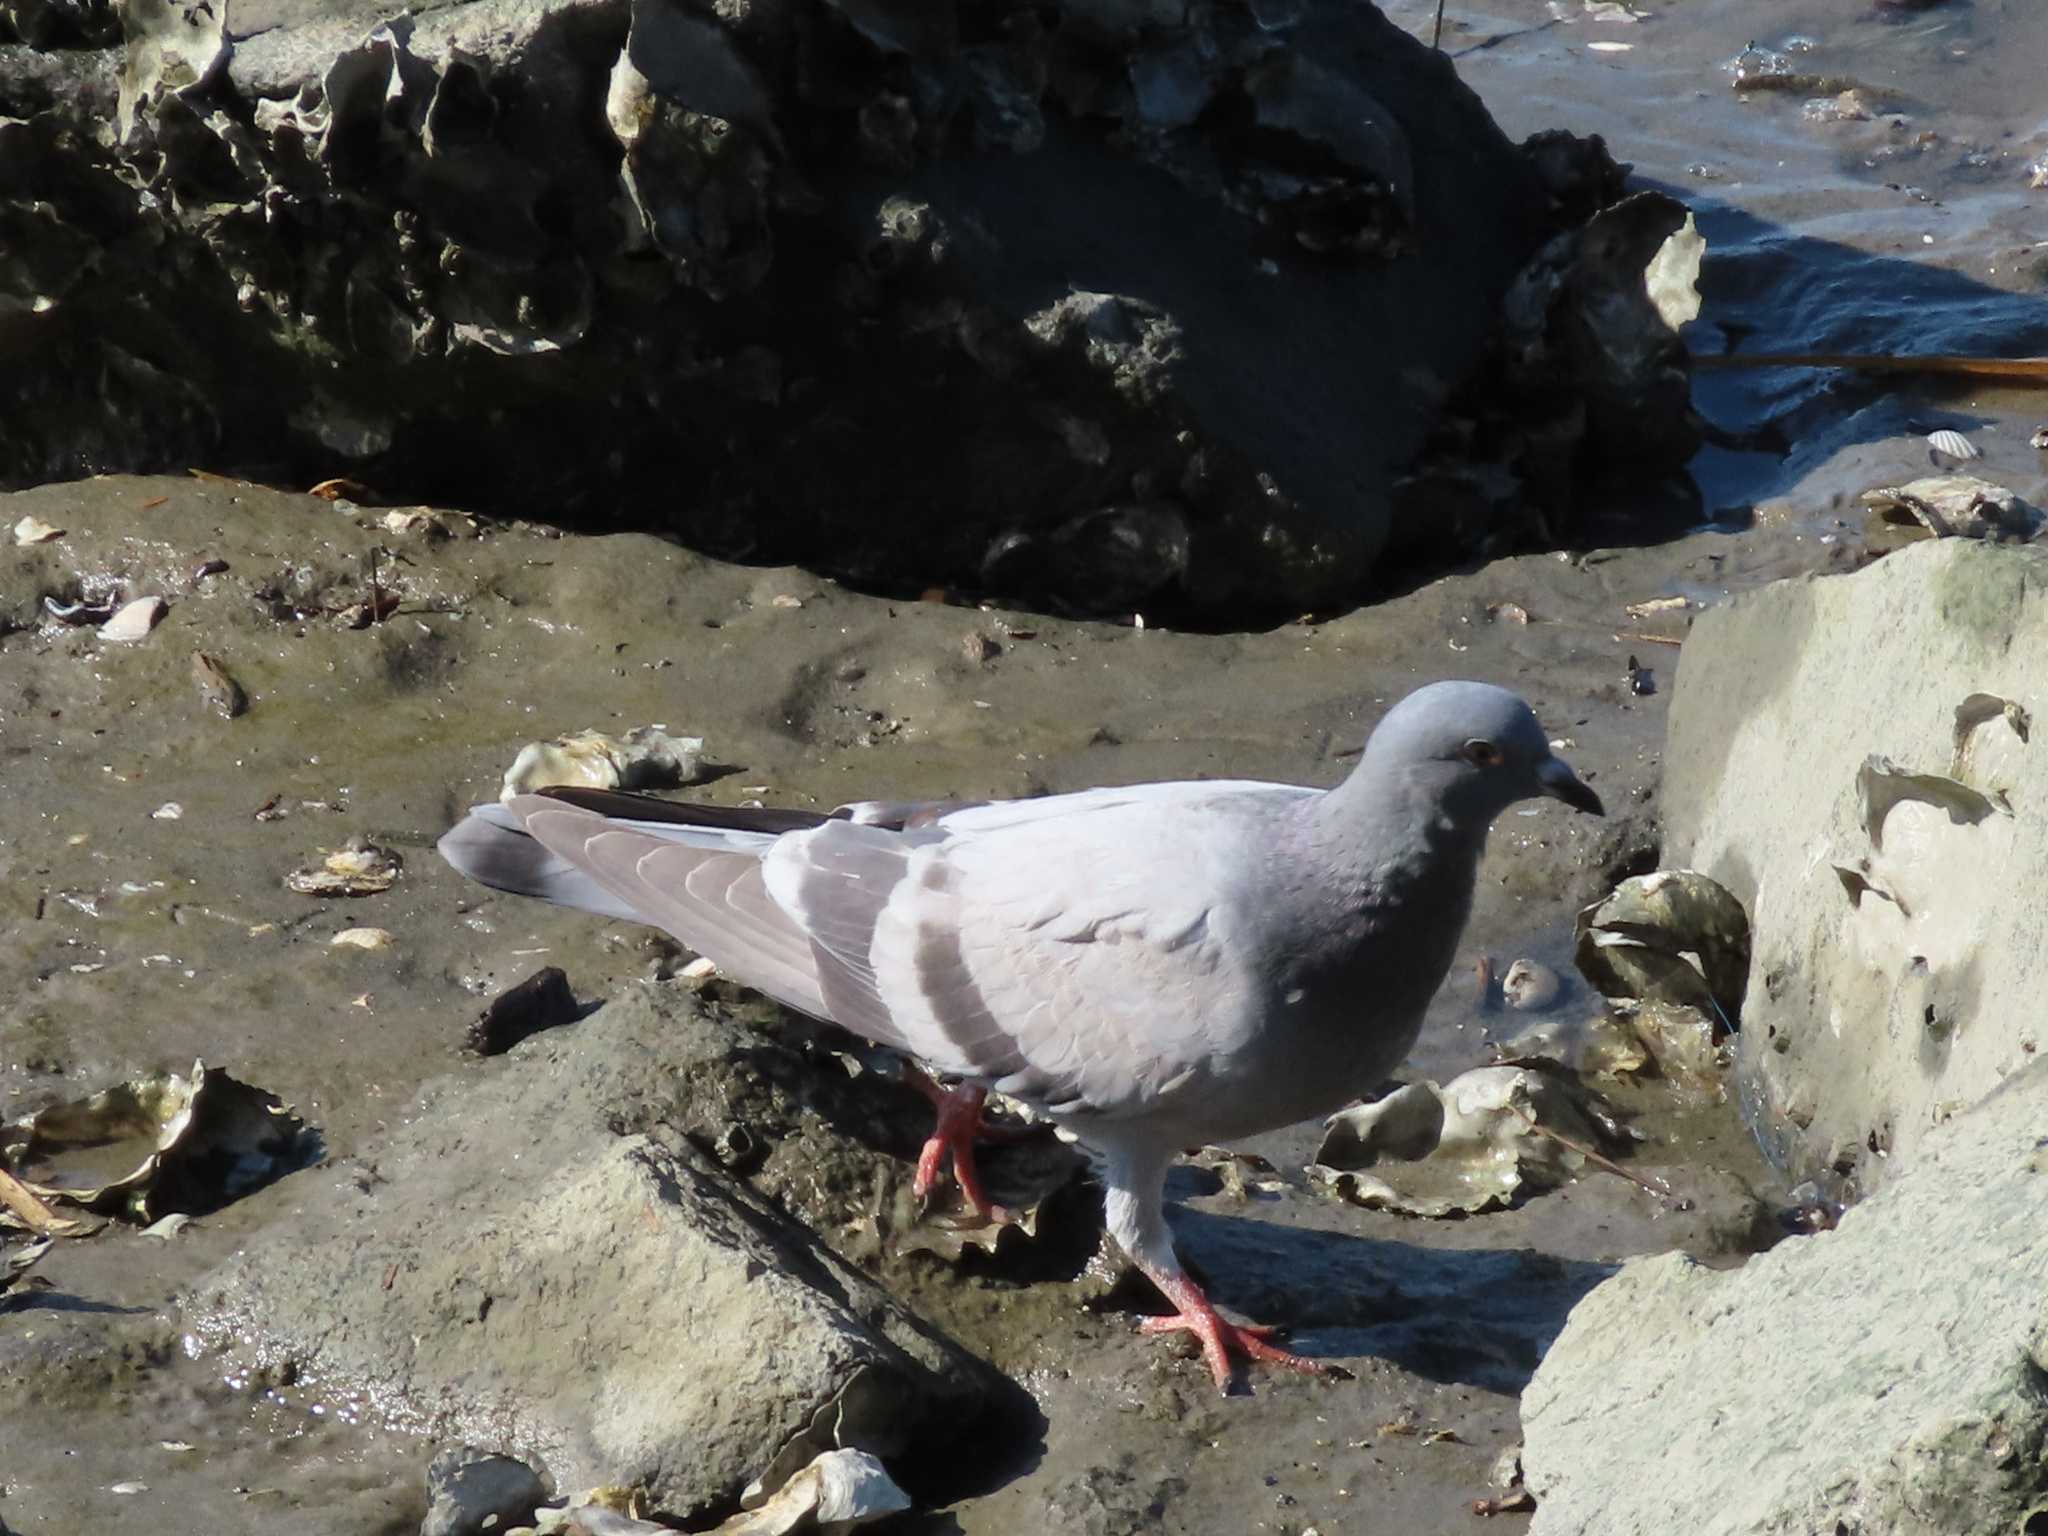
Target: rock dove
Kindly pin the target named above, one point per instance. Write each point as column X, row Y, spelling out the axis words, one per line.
column 1151, row 967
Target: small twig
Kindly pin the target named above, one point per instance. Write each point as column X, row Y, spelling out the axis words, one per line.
column 1635, row 634
column 1489, row 983
column 1436, row 39
column 2019, row 369
column 1656, row 1187
column 34, row 1213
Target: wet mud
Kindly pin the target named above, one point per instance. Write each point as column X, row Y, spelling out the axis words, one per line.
column 140, row 938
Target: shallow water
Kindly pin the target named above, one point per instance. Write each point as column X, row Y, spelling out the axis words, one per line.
column 1915, row 231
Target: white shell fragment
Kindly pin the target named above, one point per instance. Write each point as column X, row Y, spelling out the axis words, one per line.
column 1672, row 277
column 33, row 530
column 362, row 938
column 133, row 621
column 1530, row 986
column 836, row 1492
column 1469, row 1146
column 414, row 521
column 1953, row 445
column 647, row 758
column 170, row 810
column 2039, row 439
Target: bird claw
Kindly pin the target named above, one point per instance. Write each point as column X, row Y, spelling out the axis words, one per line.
column 959, row 1120
column 1219, row 1337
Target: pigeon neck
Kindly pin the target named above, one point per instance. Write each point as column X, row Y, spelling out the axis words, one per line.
column 1388, row 826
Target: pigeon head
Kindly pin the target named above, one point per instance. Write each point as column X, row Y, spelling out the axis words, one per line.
column 1476, row 749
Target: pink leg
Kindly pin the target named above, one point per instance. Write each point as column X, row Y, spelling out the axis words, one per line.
column 1219, row 1336
column 959, row 1120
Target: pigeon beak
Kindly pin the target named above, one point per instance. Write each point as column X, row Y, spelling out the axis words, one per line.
column 1559, row 782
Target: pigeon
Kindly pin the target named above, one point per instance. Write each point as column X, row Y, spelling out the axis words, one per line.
column 1150, row 967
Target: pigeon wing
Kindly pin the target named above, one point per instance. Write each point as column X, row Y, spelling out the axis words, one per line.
column 1084, row 962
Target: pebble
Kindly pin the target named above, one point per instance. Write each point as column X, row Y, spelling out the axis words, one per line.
column 218, row 687
column 471, row 1491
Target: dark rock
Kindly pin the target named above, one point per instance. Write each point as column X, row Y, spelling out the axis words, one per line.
column 1086, row 304
column 792, row 280
column 540, row 1002
column 474, row 1491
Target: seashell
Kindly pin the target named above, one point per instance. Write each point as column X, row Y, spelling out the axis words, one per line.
column 1530, row 985
column 362, row 938
column 361, row 869
column 33, row 530
column 646, row 758
column 208, row 1136
column 1953, row 445
column 80, row 612
column 2039, row 439
column 133, row 621
column 1674, row 936
column 1475, row 1144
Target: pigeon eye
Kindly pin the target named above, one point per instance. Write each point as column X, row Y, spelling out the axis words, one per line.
column 1480, row 753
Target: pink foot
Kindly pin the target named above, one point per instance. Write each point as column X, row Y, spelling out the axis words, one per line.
column 1219, row 1336
column 959, row 1121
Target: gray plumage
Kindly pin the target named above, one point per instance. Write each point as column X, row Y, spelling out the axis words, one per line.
column 1152, row 967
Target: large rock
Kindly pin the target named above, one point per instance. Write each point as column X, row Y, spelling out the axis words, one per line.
column 520, row 1267
column 1100, row 303
column 1887, row 1377
column 1850, row 756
